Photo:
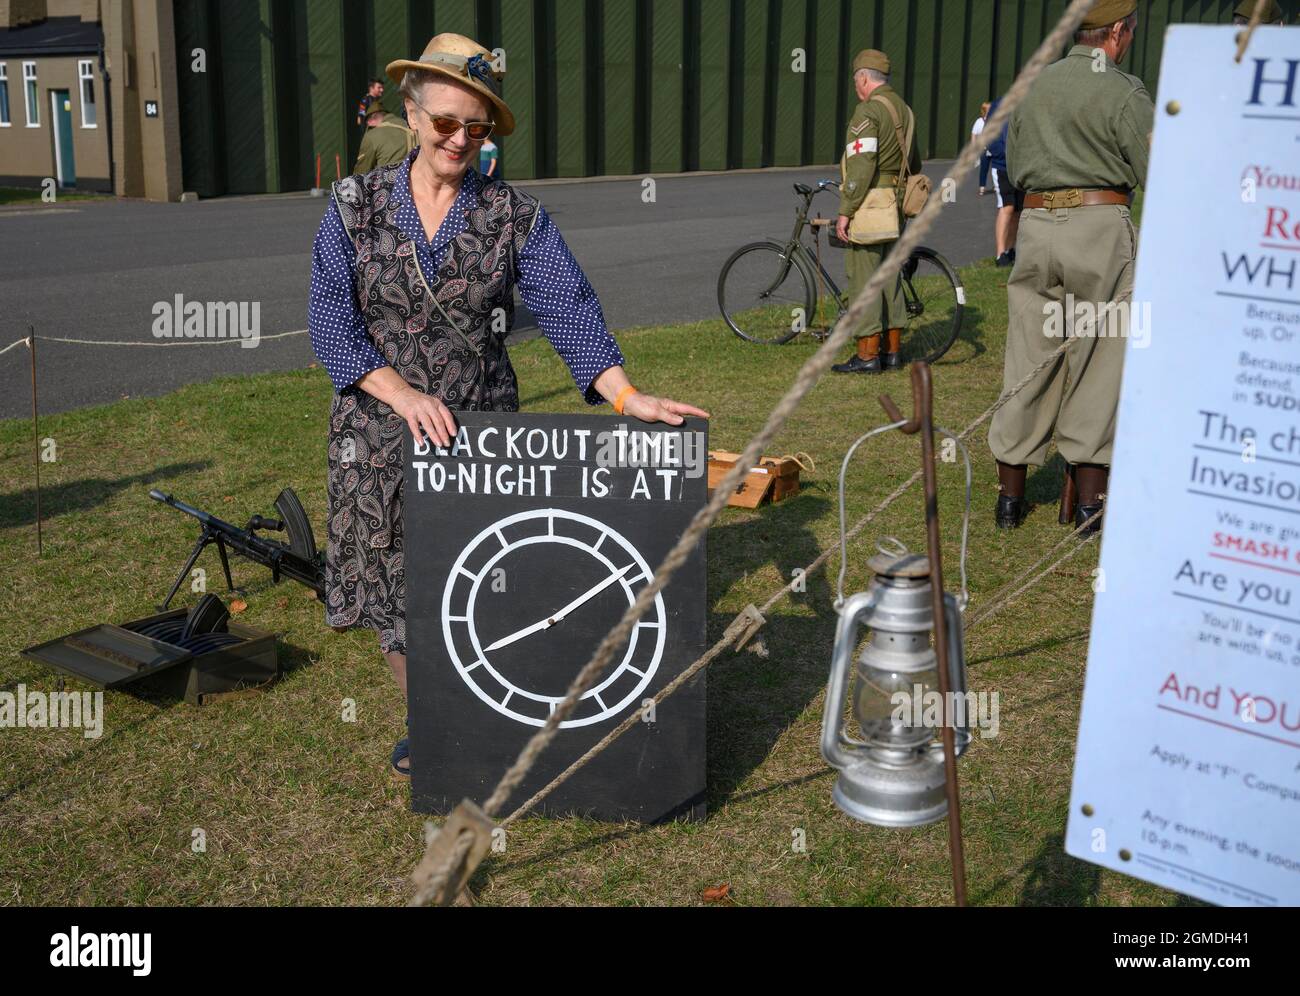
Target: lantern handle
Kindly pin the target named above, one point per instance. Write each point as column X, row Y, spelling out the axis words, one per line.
column 952, row 611
column 844, row 540
column 964, row 599
column 837, row 749
column 922, row 400
column 892, row 546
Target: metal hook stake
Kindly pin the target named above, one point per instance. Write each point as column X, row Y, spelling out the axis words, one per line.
column 922, row 421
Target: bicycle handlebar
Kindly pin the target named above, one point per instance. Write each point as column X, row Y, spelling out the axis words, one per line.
column 808, row 193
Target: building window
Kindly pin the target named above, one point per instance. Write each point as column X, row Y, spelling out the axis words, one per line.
column 86, row 74
column 29, row 91
column 4, row 95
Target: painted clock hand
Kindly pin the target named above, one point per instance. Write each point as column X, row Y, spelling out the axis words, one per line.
column 556, row 617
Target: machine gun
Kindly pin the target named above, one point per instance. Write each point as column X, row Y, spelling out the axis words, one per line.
column 298, row 559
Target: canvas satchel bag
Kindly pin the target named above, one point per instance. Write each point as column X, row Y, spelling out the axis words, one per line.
column 916, row 189
column 876, row 219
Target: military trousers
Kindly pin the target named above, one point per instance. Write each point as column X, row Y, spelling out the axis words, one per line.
column 1073, row 276
column 885, row 310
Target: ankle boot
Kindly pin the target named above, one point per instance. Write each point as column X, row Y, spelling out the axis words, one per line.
column 1011, row 508
column 1091, row 479
column 867, row 359
column 893, row 340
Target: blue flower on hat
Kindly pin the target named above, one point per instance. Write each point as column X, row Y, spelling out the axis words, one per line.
column 477, row 67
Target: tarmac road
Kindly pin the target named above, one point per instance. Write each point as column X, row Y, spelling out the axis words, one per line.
column 96, row 270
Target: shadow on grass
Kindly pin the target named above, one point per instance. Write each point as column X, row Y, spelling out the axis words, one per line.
column 19, row 508
column 485, row 872
column 754, row 699
column 1044, row 484
column 55, row 767
column 153, row 691
column 967, row 347
column 483, row 875
column 805, row 779
column 972, row 335
column 1053, row 878
column 1048, row 644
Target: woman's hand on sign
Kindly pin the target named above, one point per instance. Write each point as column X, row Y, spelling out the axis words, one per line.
column 613, row 386
column 648, row 408
column 426, row 415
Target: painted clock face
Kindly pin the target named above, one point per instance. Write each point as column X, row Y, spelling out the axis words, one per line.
column 527, row 603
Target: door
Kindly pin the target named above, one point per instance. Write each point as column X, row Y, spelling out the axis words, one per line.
column 64, row 162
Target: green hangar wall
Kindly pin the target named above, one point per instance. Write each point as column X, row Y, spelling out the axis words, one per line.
column 605, row 86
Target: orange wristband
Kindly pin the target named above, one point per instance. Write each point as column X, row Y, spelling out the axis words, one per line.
column 622, row 398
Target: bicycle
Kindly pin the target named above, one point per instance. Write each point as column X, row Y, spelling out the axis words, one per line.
column 768, row 290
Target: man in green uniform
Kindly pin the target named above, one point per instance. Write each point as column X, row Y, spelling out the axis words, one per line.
column 873, row 159
column 1077, row 146
column 387, row 140
column 1272, row 13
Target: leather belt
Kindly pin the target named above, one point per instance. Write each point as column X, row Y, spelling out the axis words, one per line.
column 1074, row 197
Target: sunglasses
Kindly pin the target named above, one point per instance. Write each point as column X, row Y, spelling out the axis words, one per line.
column 446, row 125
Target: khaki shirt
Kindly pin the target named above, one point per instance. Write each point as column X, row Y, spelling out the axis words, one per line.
column 871, row 148
column 1080, row 127
column 384, row 144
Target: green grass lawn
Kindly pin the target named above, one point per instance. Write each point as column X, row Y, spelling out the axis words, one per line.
column 32, row 195
column 297, row 806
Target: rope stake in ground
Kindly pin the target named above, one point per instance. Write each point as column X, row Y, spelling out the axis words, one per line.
column 454, row 851
column 809, row 374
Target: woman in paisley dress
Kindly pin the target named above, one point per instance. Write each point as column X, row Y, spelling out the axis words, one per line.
column 413, row 268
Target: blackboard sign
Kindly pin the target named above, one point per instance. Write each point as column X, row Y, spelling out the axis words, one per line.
column 525, row 542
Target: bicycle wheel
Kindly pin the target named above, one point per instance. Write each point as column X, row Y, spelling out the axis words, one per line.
column 765, row 293
column 935, row 300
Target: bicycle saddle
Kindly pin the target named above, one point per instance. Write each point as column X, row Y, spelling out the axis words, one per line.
column 801, row 188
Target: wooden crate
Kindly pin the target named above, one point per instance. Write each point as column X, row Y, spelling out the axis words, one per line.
column 773, row 479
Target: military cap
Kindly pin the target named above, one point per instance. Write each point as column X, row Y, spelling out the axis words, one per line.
column 1272, row 12
column 1107, row 12
column 872, row 58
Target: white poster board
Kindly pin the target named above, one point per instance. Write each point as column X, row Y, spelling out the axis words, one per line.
column 1188, row 765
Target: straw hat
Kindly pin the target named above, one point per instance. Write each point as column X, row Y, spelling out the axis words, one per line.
column 469, row 64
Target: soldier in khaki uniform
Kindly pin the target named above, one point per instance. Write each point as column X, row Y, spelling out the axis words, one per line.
column 873, row 159
column 1077, row 146
column 1272, row 13
column 386, row 141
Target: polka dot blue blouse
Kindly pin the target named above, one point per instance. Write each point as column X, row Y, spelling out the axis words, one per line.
column 550, row 282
